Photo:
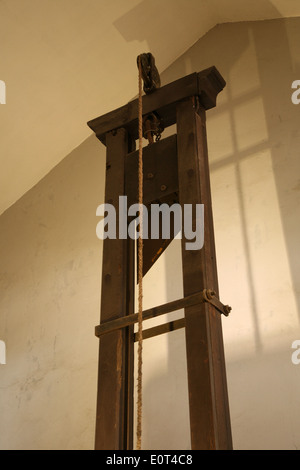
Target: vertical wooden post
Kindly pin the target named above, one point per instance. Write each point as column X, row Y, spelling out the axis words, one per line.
column 208, row 399
column 115, row 374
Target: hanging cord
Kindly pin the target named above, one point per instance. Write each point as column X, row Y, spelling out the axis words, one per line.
column 140, row 268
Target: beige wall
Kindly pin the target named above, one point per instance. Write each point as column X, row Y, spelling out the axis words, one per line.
column 50, row 269
column 50, row 284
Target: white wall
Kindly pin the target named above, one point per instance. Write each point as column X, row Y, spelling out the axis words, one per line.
column 50, row 269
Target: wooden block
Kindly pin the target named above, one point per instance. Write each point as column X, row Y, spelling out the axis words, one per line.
column 205, row 84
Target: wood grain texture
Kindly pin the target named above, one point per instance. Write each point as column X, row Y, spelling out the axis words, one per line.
column 205, row 84
column 115, row 354
column 208, row 400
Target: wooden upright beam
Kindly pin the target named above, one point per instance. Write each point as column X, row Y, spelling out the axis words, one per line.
column 208, row 400
column 115, row 375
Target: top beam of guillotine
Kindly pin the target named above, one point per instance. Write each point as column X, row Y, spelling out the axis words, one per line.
column 206, row 84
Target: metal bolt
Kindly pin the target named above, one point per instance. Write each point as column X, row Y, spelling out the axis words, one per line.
column 210, row 293
column 227, row 310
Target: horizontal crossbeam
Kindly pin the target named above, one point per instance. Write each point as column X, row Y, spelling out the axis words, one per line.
column 206, row 295
column 205, row 84
column 161, row 329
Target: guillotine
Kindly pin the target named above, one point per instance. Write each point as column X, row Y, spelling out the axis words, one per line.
column 175, row 170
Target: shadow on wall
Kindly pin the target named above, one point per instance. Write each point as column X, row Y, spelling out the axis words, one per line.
column 276, row 71
column 262, row 396
column 285, row 156
column 142, row 21
column 270, row 51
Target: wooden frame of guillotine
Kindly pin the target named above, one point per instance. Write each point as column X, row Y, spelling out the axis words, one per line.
column 175, row 170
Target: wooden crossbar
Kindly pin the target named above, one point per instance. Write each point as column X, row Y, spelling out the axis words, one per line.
column 205, row 296
column 206, row 84
column 161, row 329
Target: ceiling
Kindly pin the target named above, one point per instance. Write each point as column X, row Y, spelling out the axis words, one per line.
column 65, row 62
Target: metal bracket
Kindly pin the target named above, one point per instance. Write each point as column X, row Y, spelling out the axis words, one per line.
column 211, row 297
column 152, row 126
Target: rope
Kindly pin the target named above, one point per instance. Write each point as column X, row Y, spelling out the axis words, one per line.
column 140, row 268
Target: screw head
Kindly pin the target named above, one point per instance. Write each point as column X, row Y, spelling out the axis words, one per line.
column 227, row 310
column 210, row 293
column 163, row 187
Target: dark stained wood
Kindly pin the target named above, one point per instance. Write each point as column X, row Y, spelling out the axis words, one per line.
column 153, row 249
column 206, row 84
column 115, row 354
column 123, row 321
column 160, row 172
column 208, row 400
column 180, row 166
column 161, row 329
column 210, row 84
column 160, row 186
